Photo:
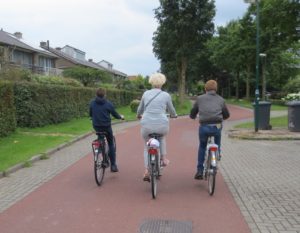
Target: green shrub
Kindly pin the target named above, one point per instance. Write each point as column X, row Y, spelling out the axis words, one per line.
column 15, row 74
column 7, row 109
column 134, row 105
column 55, row 80
column 88, row 76
column 278, row 102
column 39, row 105
column 292, row 86
column 292, row 96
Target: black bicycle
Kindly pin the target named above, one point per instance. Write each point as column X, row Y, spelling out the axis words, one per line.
column 154, row 162
column 210, row 164
column 101, row 158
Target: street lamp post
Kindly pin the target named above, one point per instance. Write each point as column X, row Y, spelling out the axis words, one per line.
column 256, row 116
column 263, row 57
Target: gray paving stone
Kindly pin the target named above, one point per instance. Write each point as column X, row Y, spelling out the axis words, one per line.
column 265, row 177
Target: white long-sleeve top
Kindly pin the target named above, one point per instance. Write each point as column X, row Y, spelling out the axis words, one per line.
column 155, row 112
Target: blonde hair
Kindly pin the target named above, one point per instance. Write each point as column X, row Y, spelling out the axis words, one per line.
column 157, row 80
column 211, row 85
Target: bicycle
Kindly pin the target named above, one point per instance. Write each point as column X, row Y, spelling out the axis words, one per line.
column 101, row 158
column 154, row 162
column 210, row 164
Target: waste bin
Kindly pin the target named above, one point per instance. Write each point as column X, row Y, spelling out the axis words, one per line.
column 294, row 116
column 264, row 109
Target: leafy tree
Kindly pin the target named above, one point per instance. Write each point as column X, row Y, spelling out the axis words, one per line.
column 184, row 27
column 228, row 51
column 233, row 48
column 87, row 76
column 279, row 20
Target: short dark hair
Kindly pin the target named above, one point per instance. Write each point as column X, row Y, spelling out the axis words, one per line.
column 100, row 92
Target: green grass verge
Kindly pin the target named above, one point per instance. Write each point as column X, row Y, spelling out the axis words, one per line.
column 248, row 104
column 184, row 108
column 26, row 142
column 280, row 122
column 19, row 147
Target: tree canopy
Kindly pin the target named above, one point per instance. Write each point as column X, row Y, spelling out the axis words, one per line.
column 191, row 51
column 184, row 27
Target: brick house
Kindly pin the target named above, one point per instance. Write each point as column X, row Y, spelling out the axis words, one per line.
column 69, row 56
column 15, row 52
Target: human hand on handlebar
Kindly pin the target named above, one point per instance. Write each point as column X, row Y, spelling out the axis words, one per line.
column 171, row 116
column 139, row 117
column 122, row 117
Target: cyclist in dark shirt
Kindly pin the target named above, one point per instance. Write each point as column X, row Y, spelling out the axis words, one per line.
column 212, row 111
column 100, row 111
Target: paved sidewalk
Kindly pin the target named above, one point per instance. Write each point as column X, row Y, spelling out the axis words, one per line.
column 264, row 178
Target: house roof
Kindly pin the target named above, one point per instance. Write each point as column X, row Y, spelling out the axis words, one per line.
column 82, row 62
column 116, row 72
column 78, row 50
column 70, row 58
column 10, row 39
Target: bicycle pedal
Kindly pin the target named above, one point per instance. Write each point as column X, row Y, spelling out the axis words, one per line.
column 105, row 164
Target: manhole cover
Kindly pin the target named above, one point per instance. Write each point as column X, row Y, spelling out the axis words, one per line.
column 165, row 226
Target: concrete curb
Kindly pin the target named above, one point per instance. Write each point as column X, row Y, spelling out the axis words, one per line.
column 270, row 135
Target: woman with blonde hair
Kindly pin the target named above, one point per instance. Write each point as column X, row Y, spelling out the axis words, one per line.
column 152, row 112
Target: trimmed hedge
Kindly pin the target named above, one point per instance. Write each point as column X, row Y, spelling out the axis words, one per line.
column 134, row 105
column 40, row 105
column 7, row 109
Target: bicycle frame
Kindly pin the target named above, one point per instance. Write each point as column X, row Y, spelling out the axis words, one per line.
column 154, row 161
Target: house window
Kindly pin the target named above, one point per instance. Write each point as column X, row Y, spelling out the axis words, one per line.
column 22, row 58
column 46, row 62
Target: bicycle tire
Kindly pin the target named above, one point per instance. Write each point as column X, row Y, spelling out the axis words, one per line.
column 99, row 167
column 153, row 181
column 115, row 144
column 210, row 174
column 211, row 181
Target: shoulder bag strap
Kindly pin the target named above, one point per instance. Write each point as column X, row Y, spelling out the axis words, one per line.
column 152, row 99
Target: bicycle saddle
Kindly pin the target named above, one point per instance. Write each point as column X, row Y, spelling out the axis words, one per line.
column 101, row 133
column 155, row 135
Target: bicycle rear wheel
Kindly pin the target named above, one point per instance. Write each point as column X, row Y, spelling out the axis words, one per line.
column 153, row 181
column 211, row 180
column 99, row 167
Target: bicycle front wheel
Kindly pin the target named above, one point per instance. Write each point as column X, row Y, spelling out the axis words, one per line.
column 153, row 181
column 115, row 144
column 99, row 168
column 211, row 181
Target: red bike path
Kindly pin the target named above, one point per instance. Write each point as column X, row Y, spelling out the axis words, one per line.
column 72, row 202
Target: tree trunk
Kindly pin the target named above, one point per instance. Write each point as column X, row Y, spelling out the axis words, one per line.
column 237, row 87
column 229, row 88
column 182, row 79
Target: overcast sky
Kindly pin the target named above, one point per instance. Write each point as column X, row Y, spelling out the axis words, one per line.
column 119, row 31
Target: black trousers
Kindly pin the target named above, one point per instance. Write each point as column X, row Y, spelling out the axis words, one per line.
column 110, row 140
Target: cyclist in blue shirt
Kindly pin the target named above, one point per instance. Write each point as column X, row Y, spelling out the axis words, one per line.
column 212, row 111
column 100, row 111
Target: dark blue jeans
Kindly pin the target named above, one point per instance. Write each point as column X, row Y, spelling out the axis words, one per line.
column 110, row 140
column 204, row 132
